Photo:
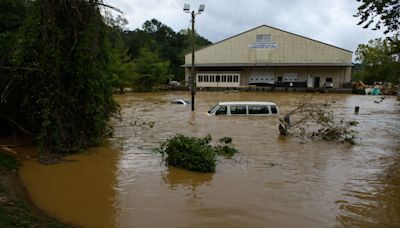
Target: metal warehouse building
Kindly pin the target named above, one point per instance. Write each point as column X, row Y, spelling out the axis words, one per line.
column 267, row 56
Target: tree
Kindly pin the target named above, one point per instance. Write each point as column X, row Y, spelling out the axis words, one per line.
column 121, row 63
column 171, row 46
column 376, row 62
column 64, row 75
column 150, row 70
column 12, row 15
column 314, row 119
column 387, row 11
column 121, row 69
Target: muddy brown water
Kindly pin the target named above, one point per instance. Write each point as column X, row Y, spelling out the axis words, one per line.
column 274, row 181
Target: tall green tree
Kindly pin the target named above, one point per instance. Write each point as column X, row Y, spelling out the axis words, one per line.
column 160, row 38
column 121, row 63
column 12, row 16
column 65, row 75
column 376, row 62
column 150, row 70
column 122, row 69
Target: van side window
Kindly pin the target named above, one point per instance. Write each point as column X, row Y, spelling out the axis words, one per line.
column 238, row 109
column 221, row 110
column 258, row 109
column 274, row 110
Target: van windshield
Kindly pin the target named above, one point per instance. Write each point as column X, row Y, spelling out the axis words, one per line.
column 221, row 110
column 212, row 110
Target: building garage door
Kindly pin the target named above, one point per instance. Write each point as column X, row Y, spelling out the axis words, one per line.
column 261, row 77
column 290, row 77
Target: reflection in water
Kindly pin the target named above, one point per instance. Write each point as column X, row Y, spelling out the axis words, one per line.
column 176, row 178
column 79, row 191
column 273, row 181
column 179, row 177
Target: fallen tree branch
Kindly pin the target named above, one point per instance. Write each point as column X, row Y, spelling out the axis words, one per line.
column 315, row 119
column 18, row 68
column 17, row 125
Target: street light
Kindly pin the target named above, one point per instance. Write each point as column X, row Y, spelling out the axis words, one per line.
column 186, row 8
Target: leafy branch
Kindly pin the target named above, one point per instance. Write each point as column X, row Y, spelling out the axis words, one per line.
column 315, row 120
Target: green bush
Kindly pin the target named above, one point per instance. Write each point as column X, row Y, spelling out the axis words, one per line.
column 191, row 153
column 225, row 147
column 7, row 163
column 195, row 154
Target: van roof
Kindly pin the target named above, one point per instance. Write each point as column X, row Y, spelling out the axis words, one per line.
column 246, row 103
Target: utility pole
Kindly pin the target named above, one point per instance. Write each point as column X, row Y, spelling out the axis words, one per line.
column 193, row 14
column 192, row 87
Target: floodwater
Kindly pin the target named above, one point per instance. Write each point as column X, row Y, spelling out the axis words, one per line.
column 273, row 181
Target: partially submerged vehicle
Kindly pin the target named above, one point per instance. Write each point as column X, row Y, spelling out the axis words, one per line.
column 255, row 108
column 181, row 102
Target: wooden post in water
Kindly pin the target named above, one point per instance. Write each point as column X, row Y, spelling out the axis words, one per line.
column 398, row 90
column 356, row 110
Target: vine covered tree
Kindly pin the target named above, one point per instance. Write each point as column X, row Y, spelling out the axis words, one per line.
column 12, row 16
column 63, row 64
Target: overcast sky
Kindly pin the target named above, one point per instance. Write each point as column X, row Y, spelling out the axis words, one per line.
column 328, row 21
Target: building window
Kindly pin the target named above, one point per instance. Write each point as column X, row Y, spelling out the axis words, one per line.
column 200, row 78
column 223, row 78
column 211, row 78
column 217, row 78
column 329, row 80
column 230, row 78
column 205, row 78
column 235, row 78
column 263, row 38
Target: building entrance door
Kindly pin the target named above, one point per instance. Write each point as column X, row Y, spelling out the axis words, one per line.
column 316, row 82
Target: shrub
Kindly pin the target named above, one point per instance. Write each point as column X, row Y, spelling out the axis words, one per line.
column 225, row 147
column 190, row 153
column 7, row 163
column 195, row 154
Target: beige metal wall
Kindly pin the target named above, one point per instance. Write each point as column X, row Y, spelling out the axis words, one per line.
column 291, row 48
column 340, row 75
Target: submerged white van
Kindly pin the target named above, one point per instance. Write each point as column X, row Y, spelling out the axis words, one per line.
column 244, row 108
